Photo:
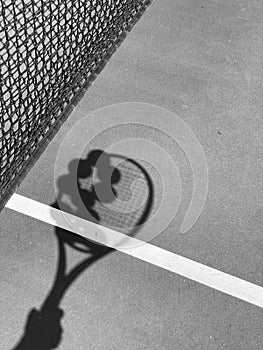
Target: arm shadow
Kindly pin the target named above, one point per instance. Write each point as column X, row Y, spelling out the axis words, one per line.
column 43, row 330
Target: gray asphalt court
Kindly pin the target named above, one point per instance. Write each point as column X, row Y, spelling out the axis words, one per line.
column 196, row 66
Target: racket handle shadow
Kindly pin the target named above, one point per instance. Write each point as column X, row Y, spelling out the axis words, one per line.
column 62, row 280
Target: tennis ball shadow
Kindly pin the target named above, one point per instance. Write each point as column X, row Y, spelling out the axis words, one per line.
column 43, row 330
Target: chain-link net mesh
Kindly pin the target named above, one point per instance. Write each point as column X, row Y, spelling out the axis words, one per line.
column 50, row 50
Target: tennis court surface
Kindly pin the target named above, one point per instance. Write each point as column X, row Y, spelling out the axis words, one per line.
column 183, row 91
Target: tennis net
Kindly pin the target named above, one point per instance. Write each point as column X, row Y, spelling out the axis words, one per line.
column 50, row 52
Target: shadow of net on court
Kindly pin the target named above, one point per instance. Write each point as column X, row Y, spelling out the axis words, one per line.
column 50, row 54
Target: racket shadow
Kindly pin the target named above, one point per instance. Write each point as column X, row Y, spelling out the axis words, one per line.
column 43, row 330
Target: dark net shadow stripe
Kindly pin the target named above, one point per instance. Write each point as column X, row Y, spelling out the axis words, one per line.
column 50, row 53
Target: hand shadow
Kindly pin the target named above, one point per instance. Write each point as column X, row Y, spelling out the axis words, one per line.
column 43, row 330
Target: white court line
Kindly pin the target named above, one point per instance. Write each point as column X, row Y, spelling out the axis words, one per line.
column 169, row 261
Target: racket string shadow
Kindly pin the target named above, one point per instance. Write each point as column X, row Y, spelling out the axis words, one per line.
column 43, row 330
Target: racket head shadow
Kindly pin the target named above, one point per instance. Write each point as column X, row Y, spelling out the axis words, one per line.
column 108, row 190
column 123, row 192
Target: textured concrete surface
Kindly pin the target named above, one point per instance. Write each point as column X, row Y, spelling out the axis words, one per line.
column 203, row 61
